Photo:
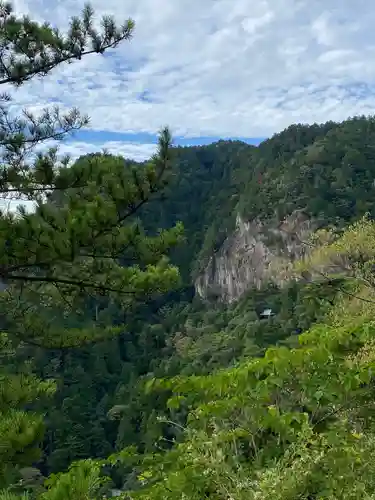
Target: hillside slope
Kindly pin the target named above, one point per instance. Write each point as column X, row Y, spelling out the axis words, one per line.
column 233, row 199
column 211, row 188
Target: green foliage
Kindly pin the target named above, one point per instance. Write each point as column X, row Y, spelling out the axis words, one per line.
column 31, row 49
column 188, row 340
column 93, row 361
column 83, row 481
column 199, row 340
column 202, row 193
column 294, row 424
column 79, row 245
column 82, row 242
column 327, row 170
column 20, row 432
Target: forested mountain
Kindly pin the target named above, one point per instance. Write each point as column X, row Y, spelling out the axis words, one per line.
column 326, row 170
column 119, row 372
column 100, row 405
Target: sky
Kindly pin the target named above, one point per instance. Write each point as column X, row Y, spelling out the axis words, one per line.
column 211, row 69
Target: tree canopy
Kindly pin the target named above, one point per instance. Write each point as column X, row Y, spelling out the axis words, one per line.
column 82, row 241
column 114, row 377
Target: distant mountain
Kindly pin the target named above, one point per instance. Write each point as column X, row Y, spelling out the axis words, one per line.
column 325, row 171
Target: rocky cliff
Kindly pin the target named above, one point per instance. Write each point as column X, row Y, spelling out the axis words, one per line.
column 255, row 254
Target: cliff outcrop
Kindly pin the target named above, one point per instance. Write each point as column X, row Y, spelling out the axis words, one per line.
column 255, row 254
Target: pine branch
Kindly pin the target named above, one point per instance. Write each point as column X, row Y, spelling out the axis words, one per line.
column 55, row 280
column 28, row 49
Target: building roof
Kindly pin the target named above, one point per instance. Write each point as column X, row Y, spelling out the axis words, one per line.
column 267, row 312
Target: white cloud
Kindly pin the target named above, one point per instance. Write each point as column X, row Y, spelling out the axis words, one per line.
column 12, row 205
column 136, row 151
column 218, row 67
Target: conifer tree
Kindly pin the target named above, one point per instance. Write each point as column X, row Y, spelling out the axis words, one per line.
column 82, row 239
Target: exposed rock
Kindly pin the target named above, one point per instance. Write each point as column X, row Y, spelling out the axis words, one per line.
column 254, row 255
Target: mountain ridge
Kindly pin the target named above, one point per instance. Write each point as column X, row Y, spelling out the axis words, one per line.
column 326, row 170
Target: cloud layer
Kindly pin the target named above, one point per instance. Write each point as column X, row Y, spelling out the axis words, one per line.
column 216, row 67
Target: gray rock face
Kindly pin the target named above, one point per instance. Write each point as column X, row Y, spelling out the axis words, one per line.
column 255, row 254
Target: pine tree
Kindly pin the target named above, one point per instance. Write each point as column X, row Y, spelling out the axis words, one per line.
column 82, row 240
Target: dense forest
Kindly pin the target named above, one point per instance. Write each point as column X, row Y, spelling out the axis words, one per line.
column 116, row 377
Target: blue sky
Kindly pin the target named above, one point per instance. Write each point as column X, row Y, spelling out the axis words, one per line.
column 104, row 137
column 211, row 69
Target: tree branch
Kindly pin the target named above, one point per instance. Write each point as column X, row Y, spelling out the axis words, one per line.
column 49, row 66
column 78, row 284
